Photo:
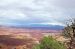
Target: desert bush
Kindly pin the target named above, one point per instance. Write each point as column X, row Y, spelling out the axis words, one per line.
column 49, row 43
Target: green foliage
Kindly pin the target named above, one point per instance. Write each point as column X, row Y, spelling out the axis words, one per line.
column 49, row 43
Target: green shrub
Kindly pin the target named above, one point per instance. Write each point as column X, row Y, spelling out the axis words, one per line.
column 49, row 43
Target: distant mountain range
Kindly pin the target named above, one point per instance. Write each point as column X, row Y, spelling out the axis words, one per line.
column 46, row 27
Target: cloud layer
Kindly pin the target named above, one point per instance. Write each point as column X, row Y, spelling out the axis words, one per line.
column 25, row 12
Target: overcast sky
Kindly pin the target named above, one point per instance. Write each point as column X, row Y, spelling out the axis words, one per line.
column 27, row 12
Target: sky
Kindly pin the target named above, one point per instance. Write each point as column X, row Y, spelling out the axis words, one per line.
column 30, row 12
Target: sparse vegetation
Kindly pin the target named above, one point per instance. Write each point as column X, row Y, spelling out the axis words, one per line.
column 69, row 32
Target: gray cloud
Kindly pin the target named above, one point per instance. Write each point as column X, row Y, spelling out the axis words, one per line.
column 36, row 11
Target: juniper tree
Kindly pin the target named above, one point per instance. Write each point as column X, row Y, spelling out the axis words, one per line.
column 69, row 32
